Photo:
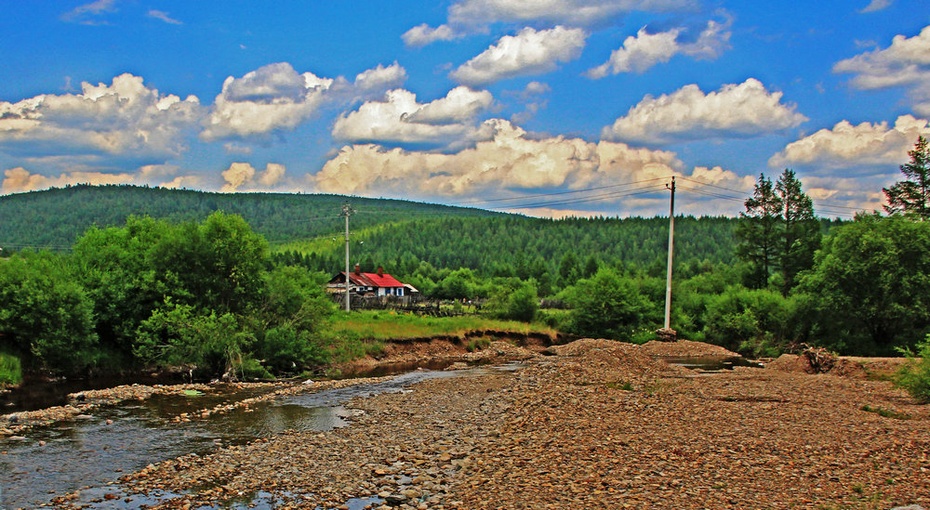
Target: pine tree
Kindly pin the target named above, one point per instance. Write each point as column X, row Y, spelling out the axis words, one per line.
column 801, row 229
column 912, row 195
column 759, row 233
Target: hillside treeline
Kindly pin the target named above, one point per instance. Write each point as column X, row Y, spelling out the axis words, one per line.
column 54, row 218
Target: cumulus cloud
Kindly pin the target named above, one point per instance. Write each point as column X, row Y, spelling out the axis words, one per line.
column 124, row 119
column 17, row 180
column 645, row 50
column 868, row 147
column 399, row 118
column 242, row 177
column 276, row 97
column 568, row 12
column 529, row 52
column 510, row 159
column 906, row 63
column 743, row 110
column 421, row 35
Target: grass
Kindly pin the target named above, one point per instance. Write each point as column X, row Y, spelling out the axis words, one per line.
column 885, row 413
column 387, row 325
column 11, row 370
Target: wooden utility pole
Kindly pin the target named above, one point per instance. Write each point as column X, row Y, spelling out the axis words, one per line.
column 671, row 249
column 347, row 211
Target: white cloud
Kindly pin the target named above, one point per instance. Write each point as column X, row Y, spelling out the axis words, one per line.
column 399, row 118
column 645, row 50
column 740, row 111
column 509, row 159
column 869, row 147
column 88, row 14
column 639, row 53
column 242, row 177
column 876, row 5
column 124, row 119
column 381, row 78
column 275, row 97
column 568, row 12
column 17, row 180
column 528, row 52
column 421, row 35
column 906, row 63
column 163, row 16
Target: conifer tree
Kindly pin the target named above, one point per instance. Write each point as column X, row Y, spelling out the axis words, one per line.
column 912, row 195
column 801, row 229
column 759, row 233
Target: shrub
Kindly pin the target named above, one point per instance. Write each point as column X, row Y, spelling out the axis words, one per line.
column 915, row 375
column 11, row 371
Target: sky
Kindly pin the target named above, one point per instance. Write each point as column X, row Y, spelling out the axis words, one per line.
column 547, row 108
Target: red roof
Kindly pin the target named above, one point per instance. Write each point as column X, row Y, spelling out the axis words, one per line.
column 376, row 280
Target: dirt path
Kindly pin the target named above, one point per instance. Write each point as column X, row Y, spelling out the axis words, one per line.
column 596, row 425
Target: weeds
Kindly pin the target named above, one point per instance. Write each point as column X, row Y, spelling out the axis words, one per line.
column 885, row 413
column 11, row 371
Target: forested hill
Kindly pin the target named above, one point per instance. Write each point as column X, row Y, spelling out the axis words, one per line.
column 308, row 230
column 54, row 218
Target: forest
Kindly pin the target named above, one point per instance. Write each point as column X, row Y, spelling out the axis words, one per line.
column 98, row 279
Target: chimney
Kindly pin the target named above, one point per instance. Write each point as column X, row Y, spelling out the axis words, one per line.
column 380, row 271
column 358, row 269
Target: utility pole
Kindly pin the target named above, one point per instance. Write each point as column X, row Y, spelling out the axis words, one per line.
column 671, row 244
column 347, row 211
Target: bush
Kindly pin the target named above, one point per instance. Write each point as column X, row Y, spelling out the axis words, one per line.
column 607, row 305
column 915, row 375
column 11, row 371
column 517, row 301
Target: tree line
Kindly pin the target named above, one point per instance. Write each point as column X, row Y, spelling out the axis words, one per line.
column 212, row 293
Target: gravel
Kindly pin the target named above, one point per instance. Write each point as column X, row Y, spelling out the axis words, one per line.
column 596, row 424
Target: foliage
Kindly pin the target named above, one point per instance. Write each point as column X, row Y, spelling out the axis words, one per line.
column 750, row 321
column 11, row 370
column 607, row 305
column 912, row 195
column 44, row 315
column 514, row 300
column 778, row 233
column 800, row 230
column 870, row 283
column 915, row 376
column 758, row 233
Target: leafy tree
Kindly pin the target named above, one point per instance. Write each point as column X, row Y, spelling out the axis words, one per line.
column 759, row 233
column 606, row 305
column 756, row 322
column 801, row 230
column 44, row 315
column 870, row 282
column 515, row 300
column 912, row 195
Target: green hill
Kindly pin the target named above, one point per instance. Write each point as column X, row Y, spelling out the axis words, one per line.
column 54, row 218
column 308, row 229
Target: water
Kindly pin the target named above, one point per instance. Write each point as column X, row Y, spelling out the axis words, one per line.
column 91, row 451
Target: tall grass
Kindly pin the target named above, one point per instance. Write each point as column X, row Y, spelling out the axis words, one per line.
column 387, row 325
column 11, row 371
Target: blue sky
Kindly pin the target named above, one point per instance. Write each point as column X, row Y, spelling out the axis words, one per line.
column 541, row 107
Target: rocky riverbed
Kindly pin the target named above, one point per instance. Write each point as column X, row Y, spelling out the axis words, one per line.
column 592, row 424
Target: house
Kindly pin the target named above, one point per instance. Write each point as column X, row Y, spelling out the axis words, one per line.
column 369, row 284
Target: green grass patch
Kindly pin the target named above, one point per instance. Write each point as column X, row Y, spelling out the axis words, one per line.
column 387, row 325
column 886, row 413
column 11, row 370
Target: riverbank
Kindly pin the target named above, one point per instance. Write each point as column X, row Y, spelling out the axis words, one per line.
column 594, row 424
